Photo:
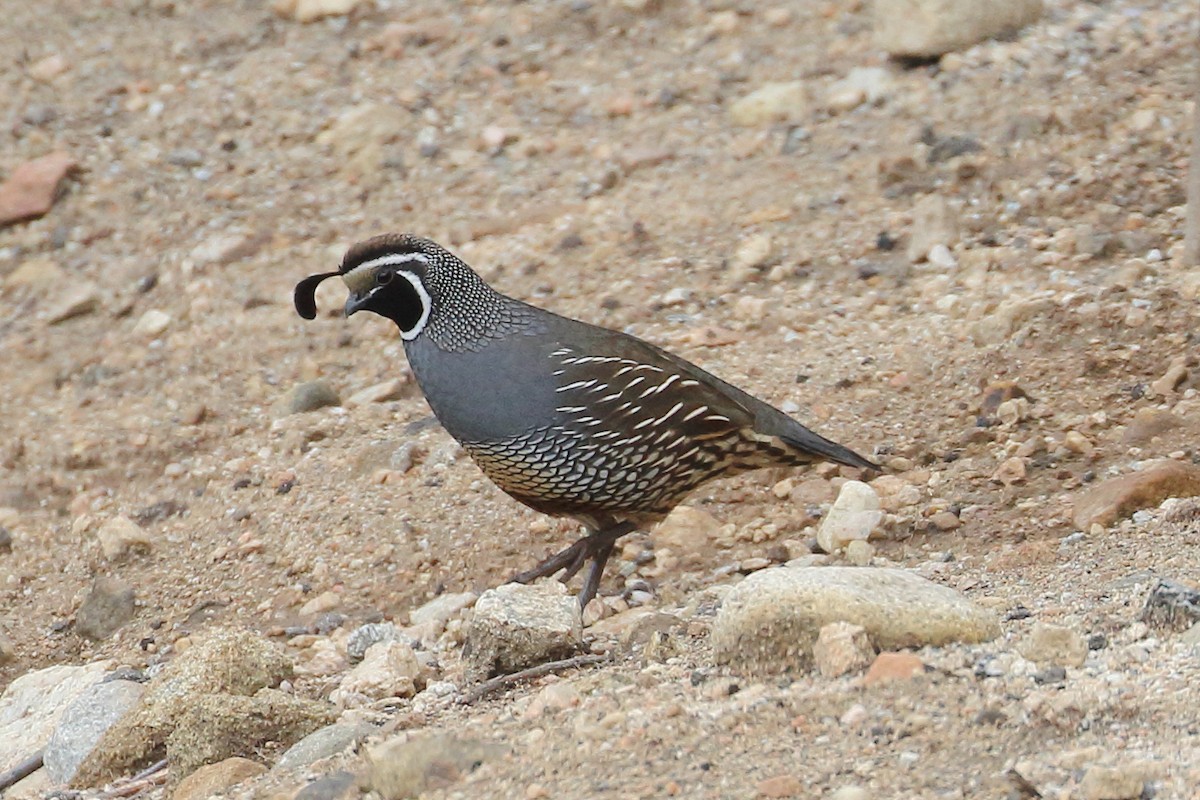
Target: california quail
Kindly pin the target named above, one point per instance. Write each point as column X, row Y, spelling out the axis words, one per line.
column 571, row 419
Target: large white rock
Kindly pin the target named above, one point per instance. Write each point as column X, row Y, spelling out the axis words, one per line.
column 929, row 28
column 769, row 622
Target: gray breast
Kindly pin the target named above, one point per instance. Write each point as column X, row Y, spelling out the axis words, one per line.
column 496, row 392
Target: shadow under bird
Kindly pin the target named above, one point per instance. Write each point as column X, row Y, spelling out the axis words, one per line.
column 571, row 419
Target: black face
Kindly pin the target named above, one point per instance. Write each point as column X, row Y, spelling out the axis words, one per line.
column 395, row 296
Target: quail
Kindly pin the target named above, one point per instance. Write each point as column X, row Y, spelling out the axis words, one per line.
column 571, row 419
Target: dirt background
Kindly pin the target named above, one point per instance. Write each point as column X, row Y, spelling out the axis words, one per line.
column 582, row 156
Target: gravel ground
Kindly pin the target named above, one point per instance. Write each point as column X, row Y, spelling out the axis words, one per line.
column 583, row 157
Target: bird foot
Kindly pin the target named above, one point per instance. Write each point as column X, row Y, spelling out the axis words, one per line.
column 596, row 547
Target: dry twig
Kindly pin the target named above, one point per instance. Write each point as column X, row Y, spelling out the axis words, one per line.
column 489, row 686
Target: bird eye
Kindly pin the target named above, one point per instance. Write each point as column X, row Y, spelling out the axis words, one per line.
column 384, row 277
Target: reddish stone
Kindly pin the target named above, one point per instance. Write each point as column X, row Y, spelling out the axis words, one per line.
column 1118, row 498
column 30, row 189
column 889, row 667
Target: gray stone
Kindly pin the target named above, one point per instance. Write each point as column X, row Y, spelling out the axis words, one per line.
column 339, row 785
column 517, row 626
column 33, row 704
column 323, row 743
column 928, row 28
column 364, row 637
column 84, row 722
column 310, row 397
column 769, row 622
column 108, row 606
column 1172, row 606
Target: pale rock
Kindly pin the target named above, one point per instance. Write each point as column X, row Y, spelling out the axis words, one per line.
column 1053, row 645
column 868, row 85
column 929, row 28
column 441, row 609
column 860, row 553
column 223, row 248
column 33, row 704
column 753, row 252
column 516, row 626
column 1077, row 443
column 1010, row 471
column 313, row 10
column 121, row 536
column 1013, row 410
column 1148, row 423
column 1177, row 373
column 109, row 604
column 47, row 68
column 321, row 603
column 308, row 396
column 842, row 648
column 773, row 102
column 152, row 323
column 940, row 256
column 378, row 393
column 934, row 223
column 688, row 532
column 1111, row 783
column 1007, row 317
column 769, row 622
column 30, row 190
column 850, row 792
column 559, row 696
column 854, row 514
column 37, row 273
column 226, row 663
column 389, row 669
column 77, row 298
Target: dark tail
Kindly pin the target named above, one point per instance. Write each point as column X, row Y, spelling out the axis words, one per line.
column 803, row 439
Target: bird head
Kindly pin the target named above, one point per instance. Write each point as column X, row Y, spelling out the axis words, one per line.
column 387, row 274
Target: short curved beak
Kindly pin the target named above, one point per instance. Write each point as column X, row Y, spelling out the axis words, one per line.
column 357, row 302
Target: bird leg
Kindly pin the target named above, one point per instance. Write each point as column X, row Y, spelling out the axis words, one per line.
column 597, row 546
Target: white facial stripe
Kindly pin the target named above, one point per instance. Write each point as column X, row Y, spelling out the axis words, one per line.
column 426, row 306
column 362, row 278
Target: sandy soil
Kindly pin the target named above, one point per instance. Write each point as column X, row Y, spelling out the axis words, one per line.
column 585, row 160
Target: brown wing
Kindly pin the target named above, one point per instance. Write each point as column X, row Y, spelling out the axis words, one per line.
column 649, row 400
